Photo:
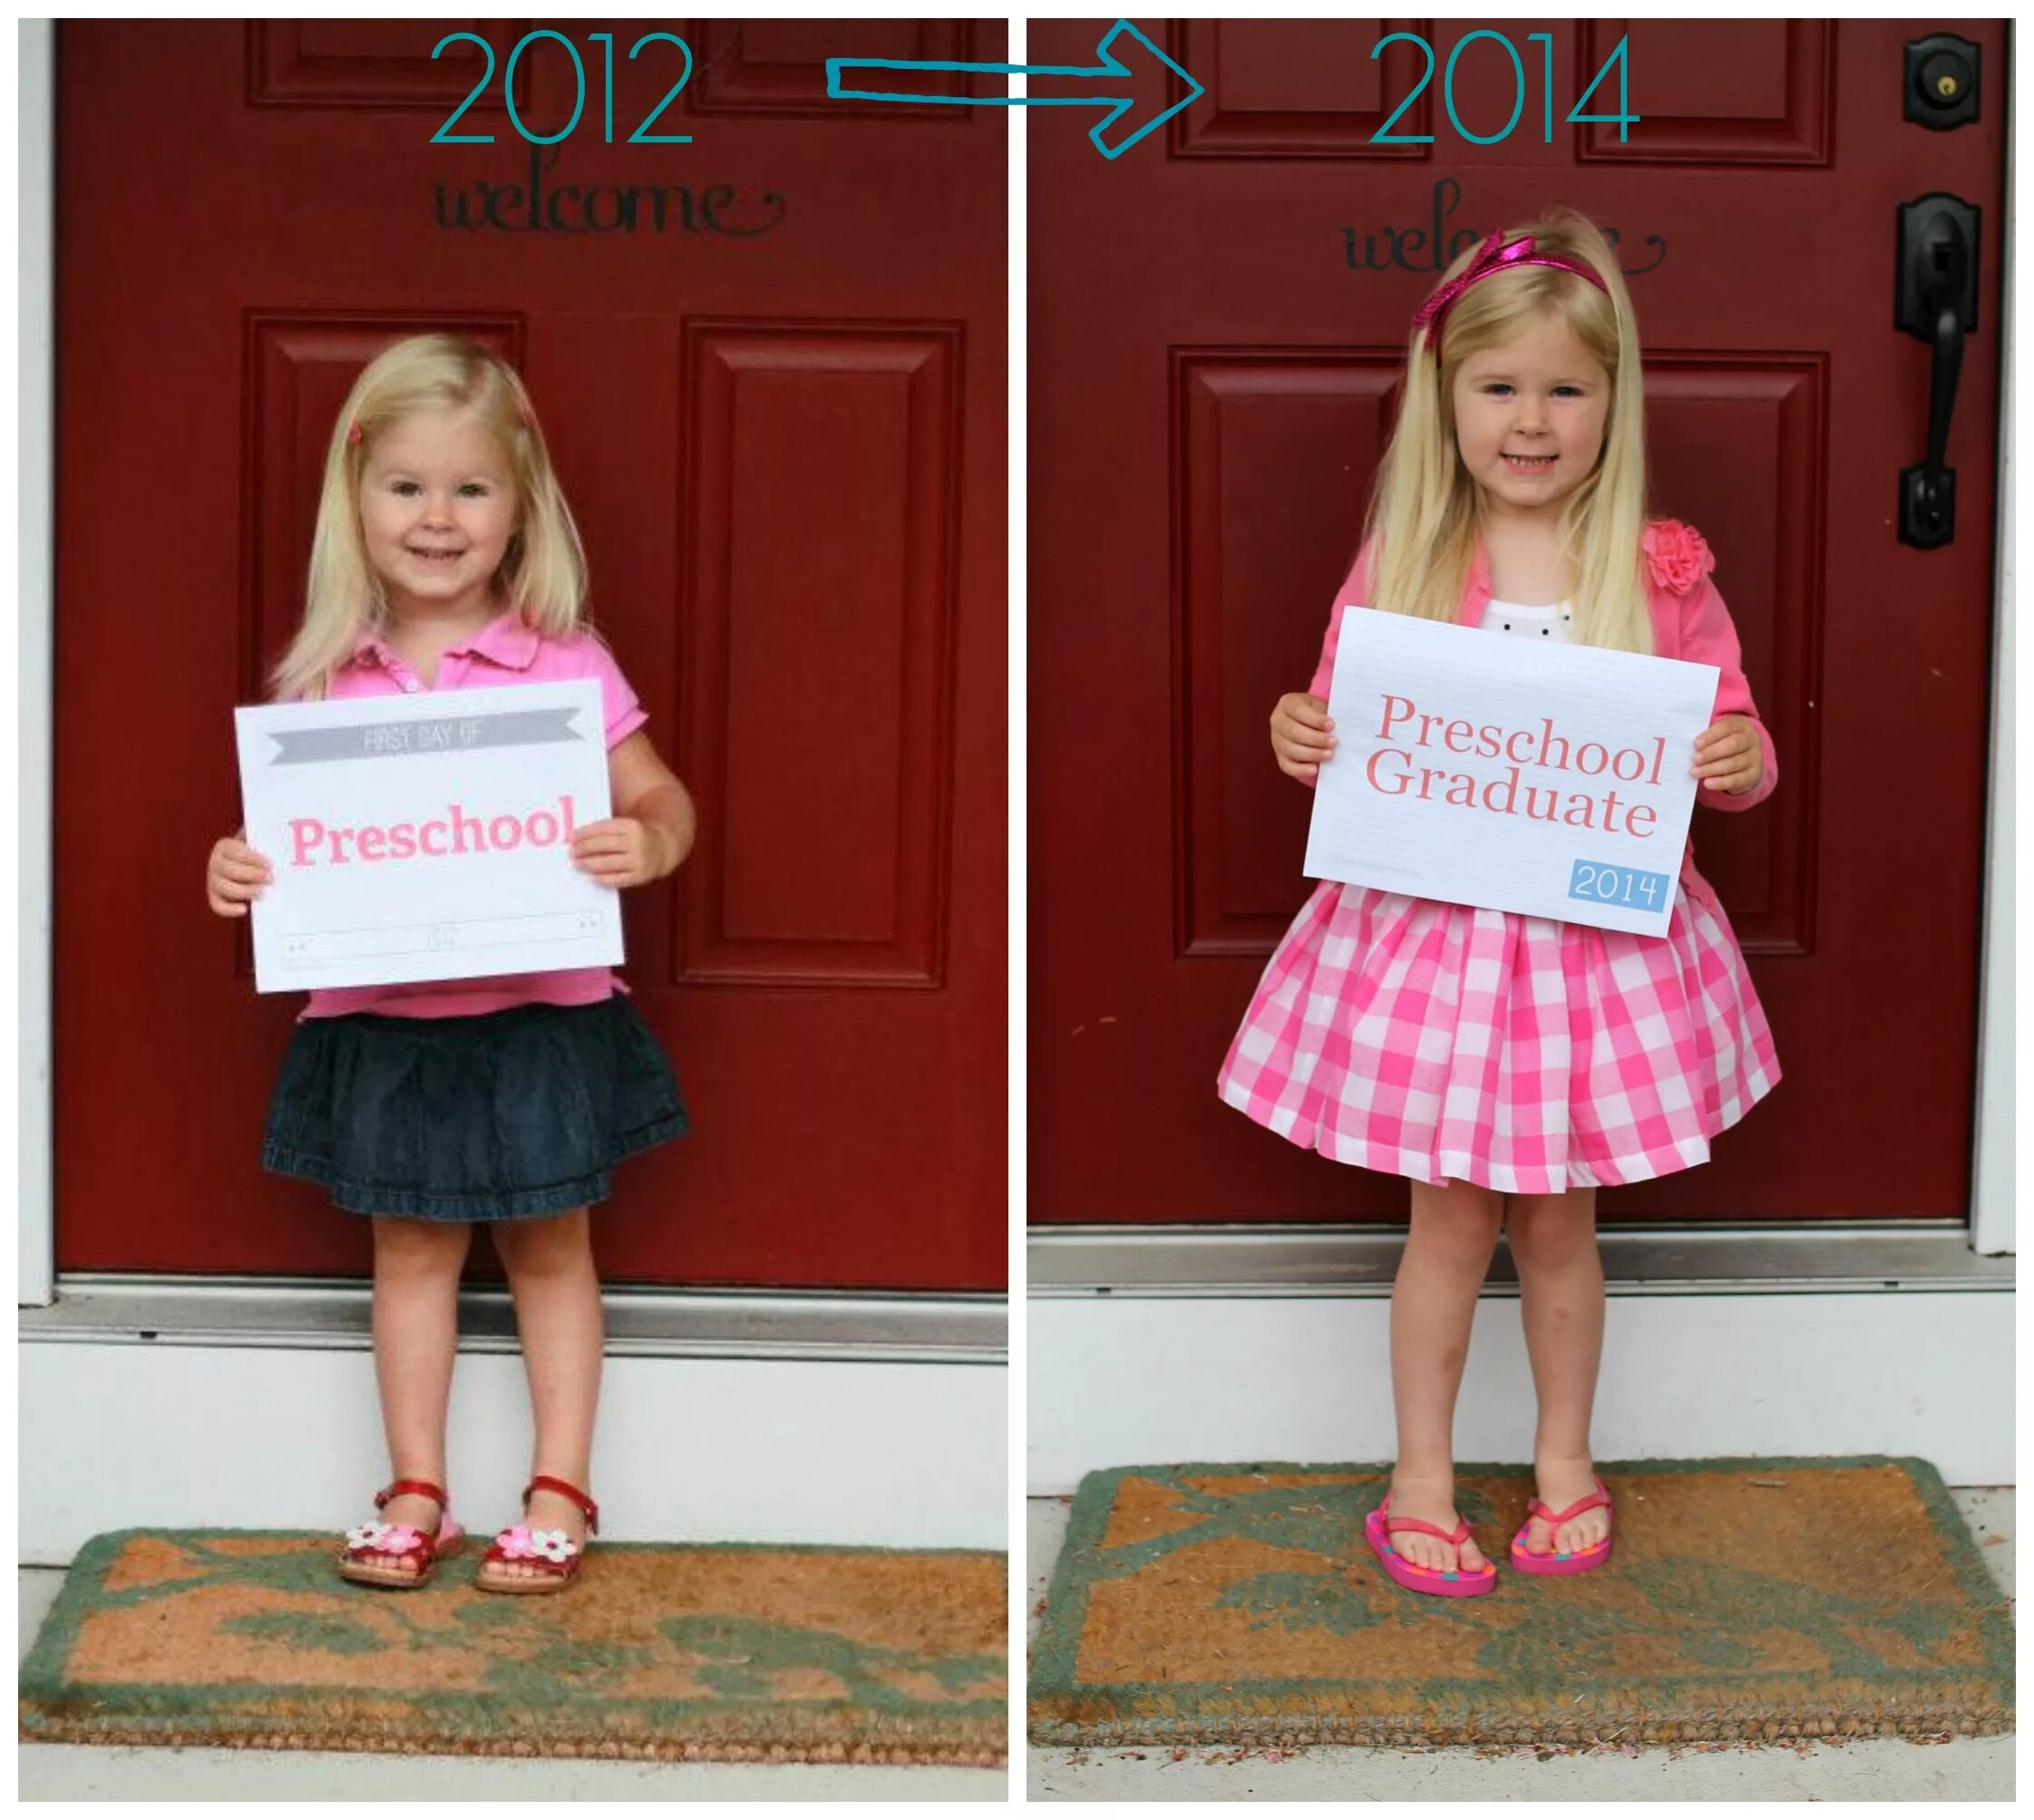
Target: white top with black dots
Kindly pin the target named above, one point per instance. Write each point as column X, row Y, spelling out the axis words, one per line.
column 1555, row 624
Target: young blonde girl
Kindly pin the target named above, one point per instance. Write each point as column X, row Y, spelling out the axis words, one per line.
column 1508, row 1065
column 445, row 558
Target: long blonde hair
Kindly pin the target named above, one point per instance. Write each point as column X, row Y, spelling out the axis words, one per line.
column 543, row 573
column 1423, row 521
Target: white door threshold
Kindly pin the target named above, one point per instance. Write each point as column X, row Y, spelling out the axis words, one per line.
column 643, row 1323
column 1656, row 1257
column 817, row 1419
column 1143, row 1377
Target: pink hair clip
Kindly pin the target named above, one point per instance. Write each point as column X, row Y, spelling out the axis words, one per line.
column 1492, row 255
column 353, row 434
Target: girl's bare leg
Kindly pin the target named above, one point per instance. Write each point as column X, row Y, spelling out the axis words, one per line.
column 1432, row 1303
column 557, row 1296
column 1561, row 1289
column 417, row 1265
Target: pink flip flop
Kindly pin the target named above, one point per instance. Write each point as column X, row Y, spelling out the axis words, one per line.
column 1378, row 1529
column 1581, row 1559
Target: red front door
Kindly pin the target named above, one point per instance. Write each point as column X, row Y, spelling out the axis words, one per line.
column 1216, row 322
column 771, row 367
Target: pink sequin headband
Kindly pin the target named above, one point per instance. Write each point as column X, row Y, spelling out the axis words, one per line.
column 1491, row 257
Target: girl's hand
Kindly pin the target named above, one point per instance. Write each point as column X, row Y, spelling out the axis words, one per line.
column 1302, row 736
column 1728, row 756
column 235, row 876
column 622, row 851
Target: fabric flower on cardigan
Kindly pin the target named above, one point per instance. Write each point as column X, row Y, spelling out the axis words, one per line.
column 535, row 1544
column 1677, row 555
column 384, row 1538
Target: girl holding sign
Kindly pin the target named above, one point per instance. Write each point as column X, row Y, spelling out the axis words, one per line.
column 445, row 558
column 1511, row 1065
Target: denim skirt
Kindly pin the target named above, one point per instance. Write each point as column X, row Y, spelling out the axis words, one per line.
column 514, row 1115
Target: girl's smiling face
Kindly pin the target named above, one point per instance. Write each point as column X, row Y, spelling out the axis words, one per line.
column 1540, row 396
column 437, row 510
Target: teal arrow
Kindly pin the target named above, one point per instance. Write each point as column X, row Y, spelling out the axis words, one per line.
column 1109, row 68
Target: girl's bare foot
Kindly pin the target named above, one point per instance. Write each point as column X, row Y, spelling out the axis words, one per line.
column 1560, row 1482
column 1431, row 1500
column 546, row 1510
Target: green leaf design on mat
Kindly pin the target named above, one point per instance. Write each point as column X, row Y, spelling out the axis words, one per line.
column 321, row 1612
column 1302, row 1601
column 1714, row 1613
column 557, row 1665
column 1326, row 1519
column 309, row 1630
column 301, row 1570
column 1708, row 1649
column 1715, row 1597
column 740, row 1654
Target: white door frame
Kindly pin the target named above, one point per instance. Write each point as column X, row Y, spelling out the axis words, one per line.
column 35, row 540
column 1991, row 1168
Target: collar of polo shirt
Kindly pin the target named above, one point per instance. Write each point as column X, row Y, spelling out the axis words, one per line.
column 506, row 639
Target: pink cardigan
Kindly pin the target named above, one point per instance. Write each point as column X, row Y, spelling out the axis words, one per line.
column 1689, row 621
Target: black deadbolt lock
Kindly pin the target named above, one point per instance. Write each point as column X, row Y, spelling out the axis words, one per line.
column 1942, row 81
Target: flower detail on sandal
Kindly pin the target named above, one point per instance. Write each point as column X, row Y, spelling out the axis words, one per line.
column 1676, row 555
column 399, row 1554
column 521, row 1558
column 385, row 1538
column 521, row 1543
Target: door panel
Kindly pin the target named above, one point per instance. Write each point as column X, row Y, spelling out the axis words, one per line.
column 771, row 368
column 1217, row 321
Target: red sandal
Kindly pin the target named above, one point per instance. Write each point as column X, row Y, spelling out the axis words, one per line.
column 370, row 1550
column 1578, row 1560
column 554, row 1555
column 1460, row 1584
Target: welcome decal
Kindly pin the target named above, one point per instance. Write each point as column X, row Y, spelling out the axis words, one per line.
column 1549, row 780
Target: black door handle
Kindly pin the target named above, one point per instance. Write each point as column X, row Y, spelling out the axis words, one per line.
column 1935, row 300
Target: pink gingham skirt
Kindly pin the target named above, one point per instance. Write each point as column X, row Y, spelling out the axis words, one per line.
column 1527, row 1055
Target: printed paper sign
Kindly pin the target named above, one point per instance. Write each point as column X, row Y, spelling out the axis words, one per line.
column 1550, row 780
column 426, row 836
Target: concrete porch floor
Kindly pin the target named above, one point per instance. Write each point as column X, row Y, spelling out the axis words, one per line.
column 87, row 1773
column 1876, row 1769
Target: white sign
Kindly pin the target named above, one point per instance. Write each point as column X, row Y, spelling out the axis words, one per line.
column 1550, row 779
column 426, row 836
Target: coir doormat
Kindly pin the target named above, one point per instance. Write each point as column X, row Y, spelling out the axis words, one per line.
column 728, row 1652
column 1745, row 1599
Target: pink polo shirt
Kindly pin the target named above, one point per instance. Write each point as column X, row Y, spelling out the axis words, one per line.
column 503, row 652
